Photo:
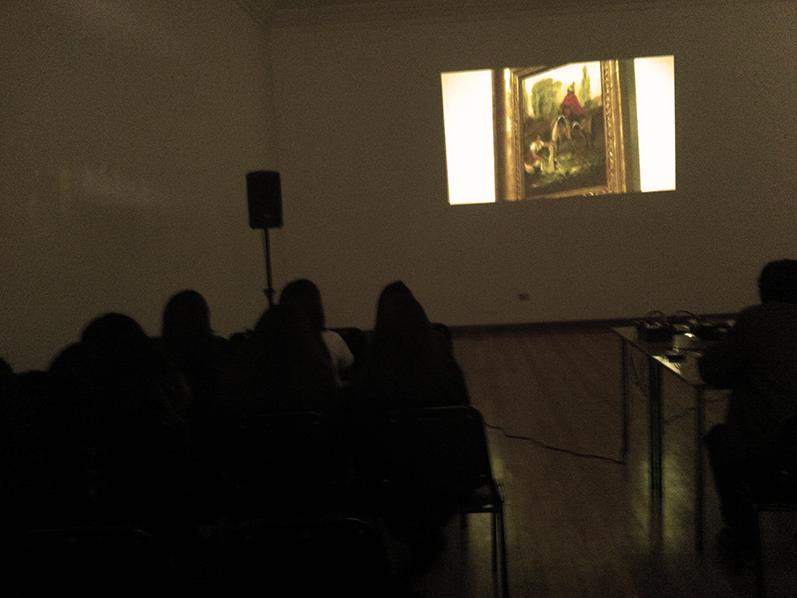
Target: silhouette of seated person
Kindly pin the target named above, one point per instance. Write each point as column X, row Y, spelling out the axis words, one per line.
column 757, row 360
column 118, row 452
column 25, row 485
column 8, row 404
column 22, row 492
column 8, row 391
column 8, row 380
column 282, row 366
column 8, row 395
column 410, row 365
column 189, row 342
column 303, row 294
column 410, row 362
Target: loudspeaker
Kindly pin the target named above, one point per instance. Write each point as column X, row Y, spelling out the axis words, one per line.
column 265, row 199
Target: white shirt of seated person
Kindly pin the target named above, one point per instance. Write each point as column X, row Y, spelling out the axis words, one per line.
column 339, row 351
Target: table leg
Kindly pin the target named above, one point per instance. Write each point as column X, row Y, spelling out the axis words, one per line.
column 700, row 417
column 654, row 419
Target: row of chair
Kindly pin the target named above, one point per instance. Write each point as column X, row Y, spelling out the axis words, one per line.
column 312, row 557
column 416, row 461
column 292, row 492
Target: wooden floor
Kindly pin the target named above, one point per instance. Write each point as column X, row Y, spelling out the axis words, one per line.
column 581, row 526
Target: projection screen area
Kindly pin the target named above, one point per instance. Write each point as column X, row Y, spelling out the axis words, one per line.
column 570, row 130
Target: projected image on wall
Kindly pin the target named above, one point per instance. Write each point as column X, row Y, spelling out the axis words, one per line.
column 563, row 138
column 578, row 129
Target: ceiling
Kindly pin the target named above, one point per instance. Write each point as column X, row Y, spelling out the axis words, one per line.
column 324, row 4
column 298, row 12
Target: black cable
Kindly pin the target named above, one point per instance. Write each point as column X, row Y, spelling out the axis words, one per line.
column 554, row 448
column 550, row 447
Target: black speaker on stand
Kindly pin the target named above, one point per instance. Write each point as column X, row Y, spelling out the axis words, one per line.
column 265, row 211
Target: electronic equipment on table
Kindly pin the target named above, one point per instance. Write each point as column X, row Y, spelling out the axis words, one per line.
column 683, row 329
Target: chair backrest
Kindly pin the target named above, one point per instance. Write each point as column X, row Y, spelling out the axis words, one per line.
column 315, row 557
column 92, row 561
column 787, row 445
column 774, row 487
column 287, row 456
column 784, row 484
column 441, row 451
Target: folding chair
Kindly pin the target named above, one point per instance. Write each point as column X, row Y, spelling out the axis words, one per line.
column 786, row 501
column 339, row 556
column 92, row 561
column 438, row 458
column 283, row 464
column 779, row 497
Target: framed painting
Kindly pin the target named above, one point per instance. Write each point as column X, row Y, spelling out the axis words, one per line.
column 559, row 131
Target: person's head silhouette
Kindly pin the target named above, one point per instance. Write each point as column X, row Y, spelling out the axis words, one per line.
column 304, row 295
column 778, row 281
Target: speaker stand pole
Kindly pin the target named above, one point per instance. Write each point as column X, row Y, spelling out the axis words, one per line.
column 269, row 290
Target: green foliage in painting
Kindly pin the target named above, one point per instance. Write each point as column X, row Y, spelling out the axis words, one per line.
column 544, row 98
column 584, row 93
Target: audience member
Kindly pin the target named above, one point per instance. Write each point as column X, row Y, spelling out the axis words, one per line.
column 123, row 359
column 304, row 295
column 117, row 418
column 26, row 495
column 8, row 391
column 282, row 366
column 188, row 341
column 409, row 363
column 7, row 379
column 8, row 401
column 237, row 339
column 757, row 360
column 76, row 455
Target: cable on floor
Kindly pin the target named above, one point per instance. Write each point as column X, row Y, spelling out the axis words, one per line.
column 554, row 448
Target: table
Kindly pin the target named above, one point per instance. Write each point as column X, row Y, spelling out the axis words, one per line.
column 686, row 370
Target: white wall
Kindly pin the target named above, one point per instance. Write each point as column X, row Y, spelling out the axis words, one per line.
column 126, row 129
column 362, row 156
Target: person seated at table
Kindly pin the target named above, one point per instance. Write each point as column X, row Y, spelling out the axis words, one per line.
column 758, row 361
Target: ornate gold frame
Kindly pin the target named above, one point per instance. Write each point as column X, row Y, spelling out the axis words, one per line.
column 507, row 100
